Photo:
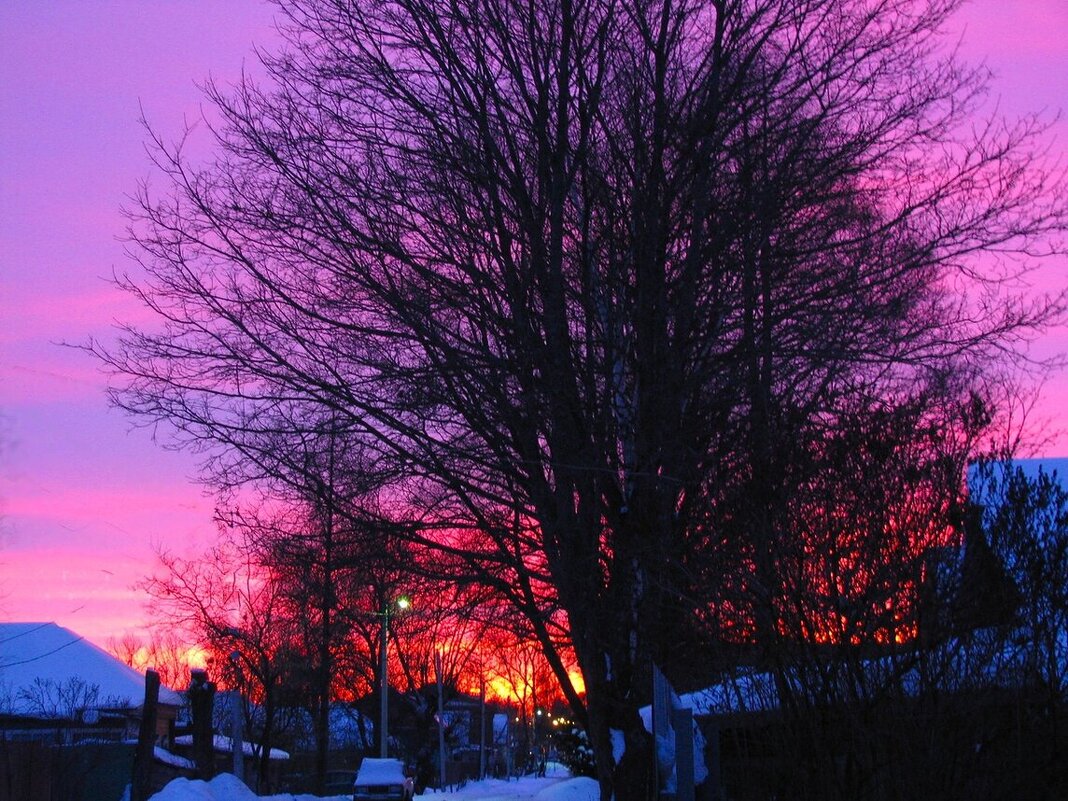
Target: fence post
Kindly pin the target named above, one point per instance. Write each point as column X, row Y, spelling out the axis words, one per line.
column 141, row 781
column 201, row 700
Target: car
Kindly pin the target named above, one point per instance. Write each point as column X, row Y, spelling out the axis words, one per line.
column 382, row 780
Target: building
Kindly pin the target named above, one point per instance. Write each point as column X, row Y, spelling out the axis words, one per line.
column 57, row 686
column 70, row 714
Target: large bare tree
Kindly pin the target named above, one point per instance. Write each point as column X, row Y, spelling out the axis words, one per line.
column 566, row 266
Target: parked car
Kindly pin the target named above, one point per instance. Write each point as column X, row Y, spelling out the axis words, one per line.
column 382, row 780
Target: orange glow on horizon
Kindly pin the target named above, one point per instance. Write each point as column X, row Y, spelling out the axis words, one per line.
column 498, row 688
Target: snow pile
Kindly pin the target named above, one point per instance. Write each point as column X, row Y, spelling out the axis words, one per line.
column 224, row 787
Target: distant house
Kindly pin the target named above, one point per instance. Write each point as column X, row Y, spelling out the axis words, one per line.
column 57, row 687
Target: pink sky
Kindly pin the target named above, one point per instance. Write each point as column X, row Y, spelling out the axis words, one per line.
column 84, row 497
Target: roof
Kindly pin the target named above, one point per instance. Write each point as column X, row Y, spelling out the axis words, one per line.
column 45, row 665
column 225, row 745
column 1055, row 468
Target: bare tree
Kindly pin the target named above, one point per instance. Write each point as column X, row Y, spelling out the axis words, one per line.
column 233, row 608
column 568, row 266
column 48, row 698
column 320, row 544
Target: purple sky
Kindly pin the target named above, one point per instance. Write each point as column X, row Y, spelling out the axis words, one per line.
column 84, row 497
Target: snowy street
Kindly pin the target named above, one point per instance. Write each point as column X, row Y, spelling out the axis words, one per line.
column 557, row 785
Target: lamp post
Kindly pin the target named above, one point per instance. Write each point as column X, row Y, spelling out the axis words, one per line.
column 402, row 603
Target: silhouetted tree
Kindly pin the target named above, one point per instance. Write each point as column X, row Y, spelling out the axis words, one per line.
column 566, row 266
column 320, row 544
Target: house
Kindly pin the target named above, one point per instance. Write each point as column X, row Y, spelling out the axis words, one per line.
column 70, row 714
column 58, row 687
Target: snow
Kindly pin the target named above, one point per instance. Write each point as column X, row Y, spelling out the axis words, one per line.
column 665, row 747
column 224, row 787
column 619, row 745
column 175, row 761
column 46, row 654
column 224, row 745
column 1030, row 468
column 380, row 771
column 744, row 692
column 556, row 785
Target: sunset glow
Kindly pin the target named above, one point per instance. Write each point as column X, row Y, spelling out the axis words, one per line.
column 83, row 497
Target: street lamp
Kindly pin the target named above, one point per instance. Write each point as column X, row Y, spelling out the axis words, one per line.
column 402, row 603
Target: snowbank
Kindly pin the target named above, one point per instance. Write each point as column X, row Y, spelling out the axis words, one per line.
column 556, row 785
column 581, row 788
column 224, row 787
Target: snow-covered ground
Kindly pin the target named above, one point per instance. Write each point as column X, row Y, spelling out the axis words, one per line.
column 556, row 785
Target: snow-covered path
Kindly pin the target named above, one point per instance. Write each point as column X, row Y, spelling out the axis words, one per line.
column 557, row 785
column 560, row 787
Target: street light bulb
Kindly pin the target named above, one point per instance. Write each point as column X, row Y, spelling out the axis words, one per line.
column 404, row 602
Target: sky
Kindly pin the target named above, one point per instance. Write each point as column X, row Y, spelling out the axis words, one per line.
column 85, row 497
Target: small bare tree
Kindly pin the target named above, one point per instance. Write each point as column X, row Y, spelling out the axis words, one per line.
column 48, row 698
column 231, row 606
column 166, row 652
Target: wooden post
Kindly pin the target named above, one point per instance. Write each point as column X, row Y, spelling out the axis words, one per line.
column 201, row 701
column 141, row 781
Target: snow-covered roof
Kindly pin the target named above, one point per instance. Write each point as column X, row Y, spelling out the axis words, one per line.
column 175, row 761
column 982, row 482
column 225, row 745
column 43, row 665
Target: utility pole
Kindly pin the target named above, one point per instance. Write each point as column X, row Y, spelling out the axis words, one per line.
column 403, row 603
column 441, row 716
